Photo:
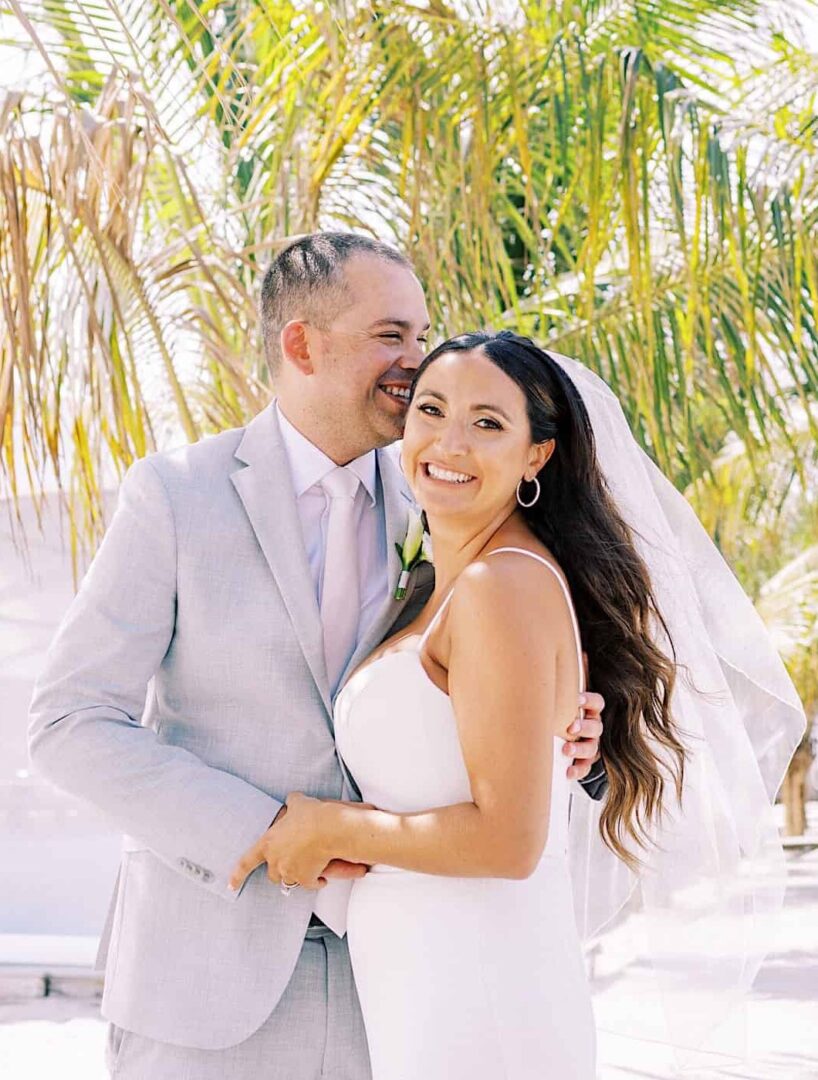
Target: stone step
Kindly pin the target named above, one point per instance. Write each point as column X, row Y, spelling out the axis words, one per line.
column 24, row 982
column 808, row 842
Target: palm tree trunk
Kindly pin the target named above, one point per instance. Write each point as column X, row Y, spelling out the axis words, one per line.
column 794, row 790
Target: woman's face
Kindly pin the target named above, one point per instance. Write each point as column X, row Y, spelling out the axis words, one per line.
column 467, row 441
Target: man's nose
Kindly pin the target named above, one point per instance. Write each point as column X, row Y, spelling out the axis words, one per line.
column 412, row 357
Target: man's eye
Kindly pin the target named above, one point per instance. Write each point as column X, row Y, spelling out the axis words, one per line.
column 392, row 337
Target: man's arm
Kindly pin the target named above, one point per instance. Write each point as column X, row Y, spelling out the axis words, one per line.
column 587, row 767
column 84, row 733
column 595, row 783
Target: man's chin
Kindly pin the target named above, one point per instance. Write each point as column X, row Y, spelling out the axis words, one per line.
column 387, row 439
column 389, row 428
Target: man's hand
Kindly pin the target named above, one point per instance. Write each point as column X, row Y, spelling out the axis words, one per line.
column 585, row 733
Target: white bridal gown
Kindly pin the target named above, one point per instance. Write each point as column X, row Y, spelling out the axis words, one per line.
column 459, row 978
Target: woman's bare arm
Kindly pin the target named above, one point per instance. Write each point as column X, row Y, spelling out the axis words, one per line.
column 509, row 625
column 506, row 629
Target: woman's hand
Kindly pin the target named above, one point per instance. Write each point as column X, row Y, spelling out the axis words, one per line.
column 295, row 847
column 298, row 847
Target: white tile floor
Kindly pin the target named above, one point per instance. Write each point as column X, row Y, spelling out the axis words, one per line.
column 54, row 1039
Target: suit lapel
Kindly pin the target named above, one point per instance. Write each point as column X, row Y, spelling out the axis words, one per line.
column 265, row 488
column 398, row 504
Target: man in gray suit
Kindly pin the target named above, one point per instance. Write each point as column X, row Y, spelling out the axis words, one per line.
column 207, row 593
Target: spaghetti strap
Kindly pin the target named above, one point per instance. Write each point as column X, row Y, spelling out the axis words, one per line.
column 435, row 620
column 520, row 551
column 568, row 600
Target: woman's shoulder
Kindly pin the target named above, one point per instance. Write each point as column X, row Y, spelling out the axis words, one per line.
column 513, row 564
column 514, row 583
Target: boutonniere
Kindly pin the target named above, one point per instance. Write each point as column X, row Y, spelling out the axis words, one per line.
column 413, row 551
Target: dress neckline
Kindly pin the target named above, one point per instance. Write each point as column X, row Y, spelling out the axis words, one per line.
column 416, row 650
column 413, row 652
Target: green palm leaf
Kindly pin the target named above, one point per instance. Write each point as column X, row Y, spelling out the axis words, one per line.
column 632, row 182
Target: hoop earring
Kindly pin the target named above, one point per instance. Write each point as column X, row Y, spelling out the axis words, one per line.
column 536, row 497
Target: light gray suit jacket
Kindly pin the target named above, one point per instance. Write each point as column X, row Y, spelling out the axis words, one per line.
column 201, row 594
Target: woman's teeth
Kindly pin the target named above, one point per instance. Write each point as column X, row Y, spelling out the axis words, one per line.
column 448, row 475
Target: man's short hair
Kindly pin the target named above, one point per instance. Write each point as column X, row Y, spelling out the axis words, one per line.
column 306, row 281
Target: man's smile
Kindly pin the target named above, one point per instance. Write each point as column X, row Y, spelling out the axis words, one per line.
column 398, row 392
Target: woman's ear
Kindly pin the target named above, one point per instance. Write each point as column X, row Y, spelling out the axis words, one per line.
column 540, row 453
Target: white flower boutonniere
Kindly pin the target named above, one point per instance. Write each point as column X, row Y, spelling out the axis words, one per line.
column 413, row 551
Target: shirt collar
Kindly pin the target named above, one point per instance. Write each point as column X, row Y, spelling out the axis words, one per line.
column 309, row 465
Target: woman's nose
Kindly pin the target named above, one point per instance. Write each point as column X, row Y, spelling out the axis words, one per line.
column 453, row 440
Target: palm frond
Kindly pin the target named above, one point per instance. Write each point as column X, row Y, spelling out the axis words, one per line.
column 630, row 181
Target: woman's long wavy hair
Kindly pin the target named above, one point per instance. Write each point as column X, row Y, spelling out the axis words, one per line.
column 577, row 520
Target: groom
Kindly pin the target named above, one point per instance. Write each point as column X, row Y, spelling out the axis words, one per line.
column 189, row 687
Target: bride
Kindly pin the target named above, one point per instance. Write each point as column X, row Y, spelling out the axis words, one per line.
column 462, row 935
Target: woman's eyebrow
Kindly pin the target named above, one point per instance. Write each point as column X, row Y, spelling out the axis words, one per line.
column 492, row 408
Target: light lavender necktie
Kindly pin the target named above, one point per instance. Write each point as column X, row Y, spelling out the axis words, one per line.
column 340, row 614
column 340, row 592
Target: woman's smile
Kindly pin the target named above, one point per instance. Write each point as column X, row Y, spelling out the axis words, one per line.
column 443, row 475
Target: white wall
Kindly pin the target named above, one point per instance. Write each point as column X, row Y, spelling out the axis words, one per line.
column 58, row 857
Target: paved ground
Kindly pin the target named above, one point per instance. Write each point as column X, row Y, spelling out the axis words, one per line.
column 63, row 1038
column 782, row 1012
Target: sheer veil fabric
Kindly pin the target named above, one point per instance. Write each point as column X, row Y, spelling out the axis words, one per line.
column 696, row 923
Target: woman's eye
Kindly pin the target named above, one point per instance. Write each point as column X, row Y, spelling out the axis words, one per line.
column 430, row 410
column 494, row 425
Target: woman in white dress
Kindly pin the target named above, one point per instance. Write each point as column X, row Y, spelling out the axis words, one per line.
column 462, row 935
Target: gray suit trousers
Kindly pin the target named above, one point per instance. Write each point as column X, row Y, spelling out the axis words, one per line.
column 315, row 1032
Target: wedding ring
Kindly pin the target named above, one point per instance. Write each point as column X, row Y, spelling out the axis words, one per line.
column 288, row 886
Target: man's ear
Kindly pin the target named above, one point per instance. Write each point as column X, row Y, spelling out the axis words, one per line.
column 295, row 346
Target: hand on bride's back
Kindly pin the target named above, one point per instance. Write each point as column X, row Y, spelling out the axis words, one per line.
column 584, row 736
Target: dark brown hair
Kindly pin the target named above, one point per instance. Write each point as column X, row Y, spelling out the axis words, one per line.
column 620, row 622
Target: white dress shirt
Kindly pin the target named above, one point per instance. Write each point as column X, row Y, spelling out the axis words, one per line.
column 308, row 467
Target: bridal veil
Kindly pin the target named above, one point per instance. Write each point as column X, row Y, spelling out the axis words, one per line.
column 692, row 929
